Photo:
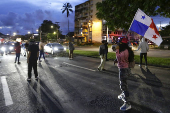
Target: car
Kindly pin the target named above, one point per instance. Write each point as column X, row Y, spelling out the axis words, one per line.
column 54, row 48
column 10, row 47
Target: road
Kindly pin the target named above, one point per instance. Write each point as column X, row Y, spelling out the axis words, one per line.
column 151, row 53
column 75, row 86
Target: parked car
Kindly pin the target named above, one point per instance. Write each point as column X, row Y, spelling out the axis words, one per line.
column 54, row 48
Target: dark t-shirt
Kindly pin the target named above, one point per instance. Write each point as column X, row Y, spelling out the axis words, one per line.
column 33, row 49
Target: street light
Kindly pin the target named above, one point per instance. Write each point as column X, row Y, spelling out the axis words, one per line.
column 89, row 26
column 29, row 32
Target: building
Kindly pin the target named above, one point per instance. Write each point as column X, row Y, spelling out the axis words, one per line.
column 89, row 28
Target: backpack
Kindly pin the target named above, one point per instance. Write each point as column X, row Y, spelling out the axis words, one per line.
column 131, row 58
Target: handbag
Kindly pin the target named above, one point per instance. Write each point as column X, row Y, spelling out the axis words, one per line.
column 132, row 64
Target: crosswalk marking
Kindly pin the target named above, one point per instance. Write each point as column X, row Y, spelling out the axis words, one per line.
column 78, row 66
column 7, row 95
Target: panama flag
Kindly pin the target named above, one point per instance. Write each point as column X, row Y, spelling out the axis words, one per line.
column 144, row 26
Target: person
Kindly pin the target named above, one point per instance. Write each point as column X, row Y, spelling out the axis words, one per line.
column 102, row 53
column 17, row 50
column 71, row 49
column 106, row 47
column 122, row 55
column 33, row 54
column 26, row 47
column 144, row 49
column 41, row 47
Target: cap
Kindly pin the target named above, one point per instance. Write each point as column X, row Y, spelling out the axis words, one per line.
column 124, row 40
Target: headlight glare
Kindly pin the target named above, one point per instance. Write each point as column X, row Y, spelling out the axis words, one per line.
column 55, row 48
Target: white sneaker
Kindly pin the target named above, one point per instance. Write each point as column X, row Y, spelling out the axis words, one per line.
column 125, row 106
column 140, row 65
column 146, row 66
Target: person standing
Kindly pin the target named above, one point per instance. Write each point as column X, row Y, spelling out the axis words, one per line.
column 102, row 53
column 122, row 55
column 106, row 47
column 26, row 47
column 144, row 49
column 17, row 50
column 71, row 49
column 33, row 54
column 41, row 47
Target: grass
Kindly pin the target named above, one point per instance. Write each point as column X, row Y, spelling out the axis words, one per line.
column 163, row 62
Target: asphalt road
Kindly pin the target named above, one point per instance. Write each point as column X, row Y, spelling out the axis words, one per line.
column 75, row 86
column 151, row 53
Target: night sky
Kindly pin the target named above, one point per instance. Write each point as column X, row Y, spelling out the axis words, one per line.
column 23, row 16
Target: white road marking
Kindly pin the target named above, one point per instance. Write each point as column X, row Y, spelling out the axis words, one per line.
column 79, row 66
column 7, row 95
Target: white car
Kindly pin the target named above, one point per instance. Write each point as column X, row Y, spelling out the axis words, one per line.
column 54, row 48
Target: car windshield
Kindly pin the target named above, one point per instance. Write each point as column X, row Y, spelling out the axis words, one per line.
column 58, row 45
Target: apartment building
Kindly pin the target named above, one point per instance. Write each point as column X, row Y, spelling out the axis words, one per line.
column 86, row 23
column 89, row 28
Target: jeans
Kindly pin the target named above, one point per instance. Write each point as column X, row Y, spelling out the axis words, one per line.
column 123, row 75
column 70, row 53
column 32, row 64
column 141, row 57
column 17, row 57
column 41, row 54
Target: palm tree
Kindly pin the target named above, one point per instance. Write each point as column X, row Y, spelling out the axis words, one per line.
column 67, row 7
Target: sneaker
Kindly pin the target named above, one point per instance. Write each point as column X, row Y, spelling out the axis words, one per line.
column 28, row 79
column 146, row 66
column 140, row 65
column 18, row 62
column 98, row 69
column 125, row 106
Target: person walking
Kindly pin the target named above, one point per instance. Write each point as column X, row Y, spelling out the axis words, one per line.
column 71, row 49
column 102, row 53
column 33, row 54
column 122, row 56
column 106, row 47
column 17, row 50
column 144, row 49
column 41, row 48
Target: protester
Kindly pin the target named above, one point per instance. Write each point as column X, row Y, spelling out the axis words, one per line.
column 17, row 50
column 71, row 49
column 122, row 55
column 106, row 47
column 26, row 47
column 33, row 54
column 41, row 47
column 102, row 53
column 144, row 49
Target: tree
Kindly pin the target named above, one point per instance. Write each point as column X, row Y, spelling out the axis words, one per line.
column 120, row 13
column 48, row 28
column 165, row 31
column 67, row 8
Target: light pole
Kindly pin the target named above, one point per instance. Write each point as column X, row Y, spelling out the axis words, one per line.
column 89, row 26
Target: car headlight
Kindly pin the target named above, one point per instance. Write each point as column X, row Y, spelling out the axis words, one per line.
column 10, row 48
column 55, row 48
column 64, row 48
column 3, row 48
